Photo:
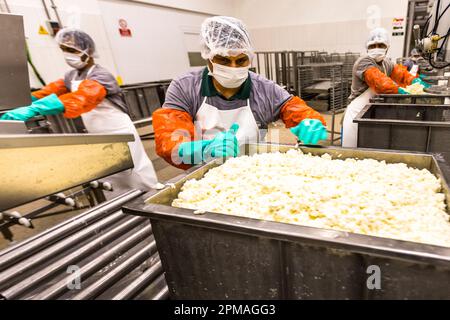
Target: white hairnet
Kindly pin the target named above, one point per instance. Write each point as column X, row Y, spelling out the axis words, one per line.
column 225, row 36
column 76, row 39
column 378, row 35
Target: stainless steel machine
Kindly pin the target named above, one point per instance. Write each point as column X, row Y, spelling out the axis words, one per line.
column 103, row 253
column 110, row 255
column 14, row 81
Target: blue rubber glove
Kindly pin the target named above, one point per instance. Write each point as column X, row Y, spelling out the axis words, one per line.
column 224, row 144
column 50, row 105
column 192, row 152
column 402, row 91
column 421, row 82
column 310, row 131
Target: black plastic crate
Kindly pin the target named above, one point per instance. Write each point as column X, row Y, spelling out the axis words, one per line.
column 424, row 128
column 411, row 99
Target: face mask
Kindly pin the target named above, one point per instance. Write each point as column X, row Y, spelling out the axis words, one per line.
column 378, row 54
column 229, row 77
column 74, row 60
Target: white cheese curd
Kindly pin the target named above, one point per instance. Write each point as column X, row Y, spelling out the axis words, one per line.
column 362, row 196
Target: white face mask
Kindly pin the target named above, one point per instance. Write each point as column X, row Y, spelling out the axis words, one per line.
column 74, row 60
column 229, row 77
column 378, row 54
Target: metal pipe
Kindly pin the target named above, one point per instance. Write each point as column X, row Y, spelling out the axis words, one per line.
column 55, row 8
column 31, row 282
column 163, row 293
column 27, row 247
column 89, row 269
column 7, row 6
column 99, row 286
column 139, row 283
column 130, row 195
column 15, row 271
column 46, row 10
column 277, row 68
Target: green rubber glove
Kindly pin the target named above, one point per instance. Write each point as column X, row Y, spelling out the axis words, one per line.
column 310, row 131
column 402, row 91
column 20, row 114
column 33, row 98
column 192, row 152
column 421, row 82
column 50, row 105
column 224, row 144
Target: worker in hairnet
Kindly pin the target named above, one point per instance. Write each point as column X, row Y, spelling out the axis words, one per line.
column 373, row 74
column 90, row 91
column 210, row 112
column 416, row 63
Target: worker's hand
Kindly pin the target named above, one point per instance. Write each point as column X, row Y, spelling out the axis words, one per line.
column 224, row 144
column 33, row 98
column 421, row 82
column 402, row 91
column 310, row 131
column 192, row 152
column 20, row 114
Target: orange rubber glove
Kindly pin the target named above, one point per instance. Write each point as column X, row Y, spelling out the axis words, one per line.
column 296, row 110
column 89, row 94
column 379, row 82
column 172, row 127
column 58, row 87
column 401, row 76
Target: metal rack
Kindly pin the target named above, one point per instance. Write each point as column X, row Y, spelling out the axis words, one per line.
column 322, row 79
column 143, row 99
column 323, row 87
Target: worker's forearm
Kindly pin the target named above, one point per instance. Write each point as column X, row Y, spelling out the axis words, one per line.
column 172, row 127
column 58, row 87
column 296, row 110
column 379, row 82
column 401, row 76
column 88, row 96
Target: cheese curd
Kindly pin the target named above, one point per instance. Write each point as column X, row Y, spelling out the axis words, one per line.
column 415, row 88
column 362, row 196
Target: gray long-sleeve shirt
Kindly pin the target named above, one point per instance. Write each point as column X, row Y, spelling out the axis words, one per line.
column 187, row 93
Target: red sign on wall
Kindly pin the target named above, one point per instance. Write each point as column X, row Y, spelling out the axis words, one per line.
column 123, row 28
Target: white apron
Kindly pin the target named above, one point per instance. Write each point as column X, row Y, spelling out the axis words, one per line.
column 349, row 128
column 414, row 70
column 212, row 121
column 107, row 118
